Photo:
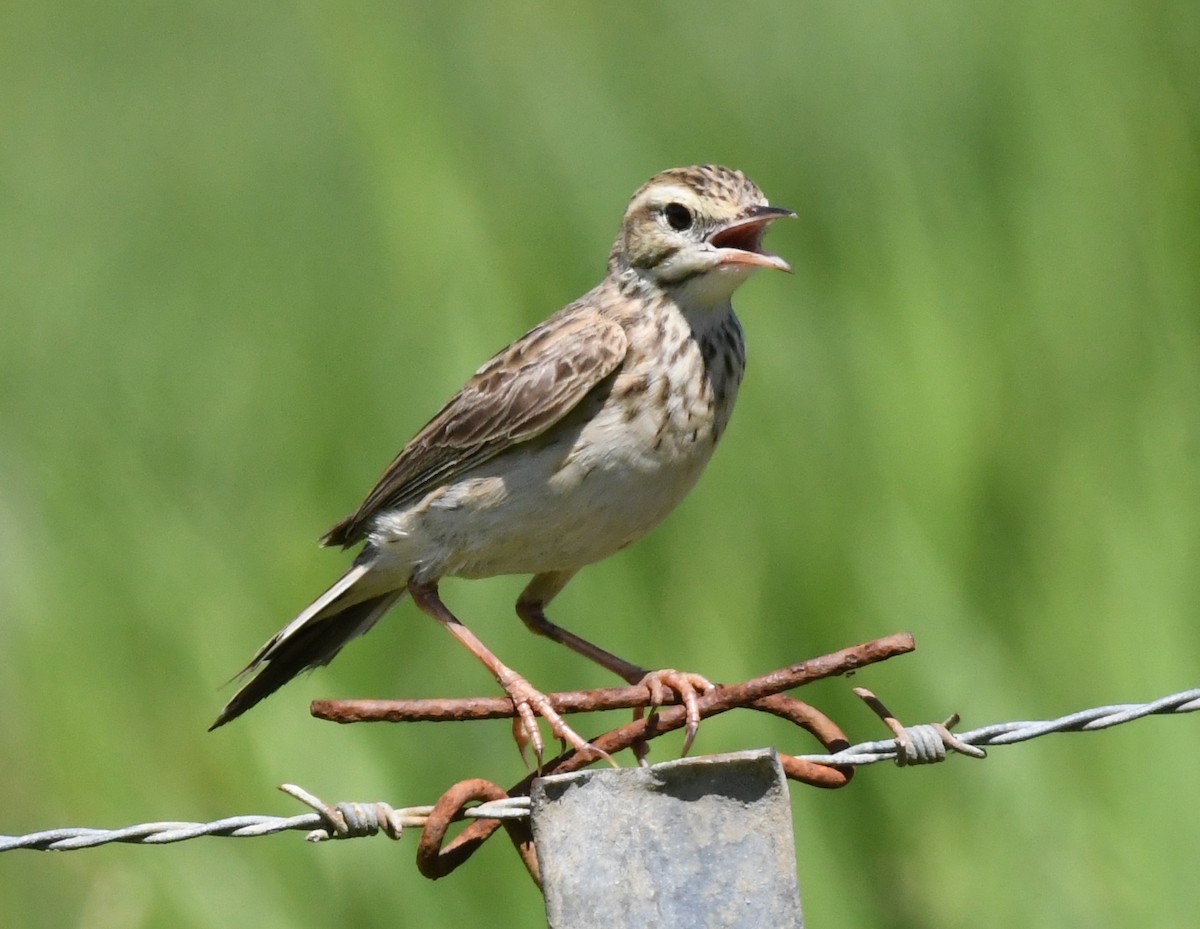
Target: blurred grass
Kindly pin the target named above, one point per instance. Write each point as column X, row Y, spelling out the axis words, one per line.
column 246, row 251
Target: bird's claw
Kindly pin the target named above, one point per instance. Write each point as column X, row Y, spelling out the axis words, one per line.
column 690, row 688
column 530, row 703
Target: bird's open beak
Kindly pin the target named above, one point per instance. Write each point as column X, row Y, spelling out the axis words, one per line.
column 740, row 243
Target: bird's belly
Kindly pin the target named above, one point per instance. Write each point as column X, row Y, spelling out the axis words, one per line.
column 562, row 505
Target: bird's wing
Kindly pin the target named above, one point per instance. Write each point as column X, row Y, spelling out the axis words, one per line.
column 517, row 395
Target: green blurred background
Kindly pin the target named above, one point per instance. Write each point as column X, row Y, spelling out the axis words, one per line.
column 246, row 250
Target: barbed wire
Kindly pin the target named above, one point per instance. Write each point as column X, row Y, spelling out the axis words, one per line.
column 343, row 821
column 1101, row 717
column 928, row 743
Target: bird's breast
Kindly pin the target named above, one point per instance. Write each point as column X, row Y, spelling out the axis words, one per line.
column 675, row 392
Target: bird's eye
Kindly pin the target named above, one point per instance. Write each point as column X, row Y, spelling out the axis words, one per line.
column 679, row 217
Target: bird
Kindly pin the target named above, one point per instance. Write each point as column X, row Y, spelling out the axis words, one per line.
column 567, row 446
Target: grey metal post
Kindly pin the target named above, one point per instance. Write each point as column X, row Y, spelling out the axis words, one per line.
column 703, row 842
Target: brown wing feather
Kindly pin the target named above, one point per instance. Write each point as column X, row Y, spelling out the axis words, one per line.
column 517, row 395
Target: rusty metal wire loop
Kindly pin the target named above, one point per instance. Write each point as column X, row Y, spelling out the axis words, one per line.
column 435, row 860
column 820, row 726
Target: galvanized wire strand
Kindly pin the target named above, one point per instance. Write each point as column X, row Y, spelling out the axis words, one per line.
column 349, row 820
column 1102, row 717
column 353, row 820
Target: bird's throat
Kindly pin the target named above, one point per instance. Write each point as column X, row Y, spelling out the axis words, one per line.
column 709, row 291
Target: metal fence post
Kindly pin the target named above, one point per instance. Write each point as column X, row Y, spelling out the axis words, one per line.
column 704, row 842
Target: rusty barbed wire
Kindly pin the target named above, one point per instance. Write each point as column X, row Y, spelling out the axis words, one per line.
column 490, row 807
column 436, row 858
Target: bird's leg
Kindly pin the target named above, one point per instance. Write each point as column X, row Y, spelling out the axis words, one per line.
column 528, row 701
column 531, row 607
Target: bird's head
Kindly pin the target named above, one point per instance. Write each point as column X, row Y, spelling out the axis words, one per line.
column 697, row 229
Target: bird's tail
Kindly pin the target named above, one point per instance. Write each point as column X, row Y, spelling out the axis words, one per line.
column 311, row 639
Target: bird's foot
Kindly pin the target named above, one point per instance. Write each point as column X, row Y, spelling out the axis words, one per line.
column 530, row 703
column 690, row 688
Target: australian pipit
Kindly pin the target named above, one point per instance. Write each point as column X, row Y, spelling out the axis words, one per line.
column 567, row 446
